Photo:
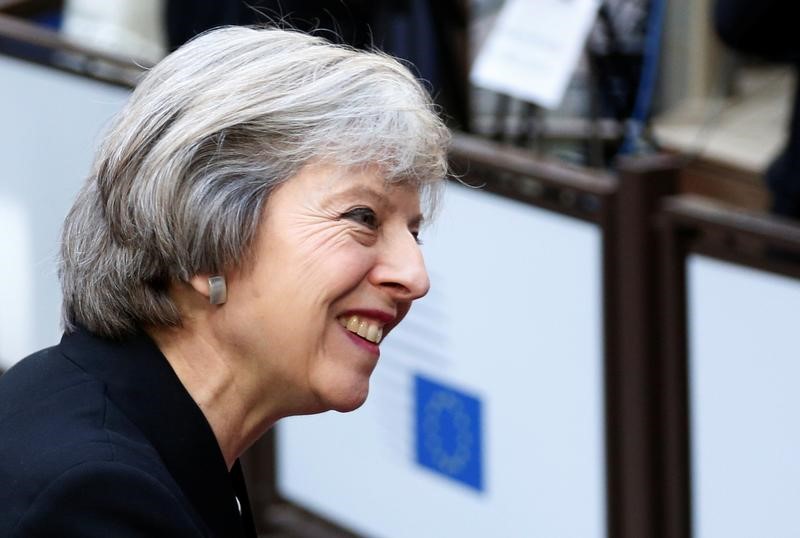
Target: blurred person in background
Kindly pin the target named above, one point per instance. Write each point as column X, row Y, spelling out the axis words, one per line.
column 246, row 239
column 429, row 34
column 768, row 29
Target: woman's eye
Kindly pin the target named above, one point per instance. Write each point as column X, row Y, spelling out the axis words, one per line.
column 364, row 216
column 416, row 236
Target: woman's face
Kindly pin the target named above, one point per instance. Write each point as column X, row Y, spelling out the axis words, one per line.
column 336, row 267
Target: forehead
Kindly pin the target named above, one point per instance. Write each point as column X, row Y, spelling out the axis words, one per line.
column 327, row 183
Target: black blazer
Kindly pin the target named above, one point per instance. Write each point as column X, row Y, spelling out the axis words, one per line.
column 101, row 439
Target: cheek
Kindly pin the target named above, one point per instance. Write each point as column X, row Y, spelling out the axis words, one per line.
column 310, row 246
column 333, row 267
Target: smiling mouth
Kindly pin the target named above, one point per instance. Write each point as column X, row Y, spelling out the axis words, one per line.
column 365, row 328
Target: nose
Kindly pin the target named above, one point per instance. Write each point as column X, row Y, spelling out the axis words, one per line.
column 400, row 268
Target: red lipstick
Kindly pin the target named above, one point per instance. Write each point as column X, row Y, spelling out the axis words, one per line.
column 364, row 344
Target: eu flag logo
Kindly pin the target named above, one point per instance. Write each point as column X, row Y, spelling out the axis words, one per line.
column 448, row 432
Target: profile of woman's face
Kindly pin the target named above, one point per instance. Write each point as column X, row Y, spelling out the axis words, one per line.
column 336, row 267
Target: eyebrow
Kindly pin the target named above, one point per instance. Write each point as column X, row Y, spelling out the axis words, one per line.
column 364, row 191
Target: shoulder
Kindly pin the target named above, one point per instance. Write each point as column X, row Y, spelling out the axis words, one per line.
column 52, row 416
column 104, row 498
column 38, row 382
column 48, row 408
column 68, row 456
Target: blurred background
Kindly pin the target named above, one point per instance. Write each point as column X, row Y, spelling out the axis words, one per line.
column 634, row 235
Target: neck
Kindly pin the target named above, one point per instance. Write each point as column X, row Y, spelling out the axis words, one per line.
column 234, row 405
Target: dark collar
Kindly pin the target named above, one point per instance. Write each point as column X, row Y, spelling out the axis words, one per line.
column 142, row 384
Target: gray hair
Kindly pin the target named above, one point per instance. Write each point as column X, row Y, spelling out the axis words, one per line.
column 179, row 183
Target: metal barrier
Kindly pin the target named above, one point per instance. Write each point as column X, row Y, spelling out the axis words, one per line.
column 728, row 371
column 31, row 42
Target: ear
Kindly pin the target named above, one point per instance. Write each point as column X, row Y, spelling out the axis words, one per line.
column 199, row 283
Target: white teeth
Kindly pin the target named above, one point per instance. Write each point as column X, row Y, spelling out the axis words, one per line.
column 364, row 328
column 372, row 333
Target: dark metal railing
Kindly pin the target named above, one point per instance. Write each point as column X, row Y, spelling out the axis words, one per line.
column 26, row 40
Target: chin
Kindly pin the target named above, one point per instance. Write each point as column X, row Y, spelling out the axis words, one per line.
column 350, row 403
column 345, row 398
column 339, row 388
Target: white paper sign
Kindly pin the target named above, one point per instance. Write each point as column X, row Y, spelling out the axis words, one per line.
column 534, row 47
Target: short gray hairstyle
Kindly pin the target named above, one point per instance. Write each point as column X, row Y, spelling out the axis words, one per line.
column 179, row 183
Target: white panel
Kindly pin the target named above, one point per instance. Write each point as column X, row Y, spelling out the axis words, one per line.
column 744, row 377
column 50, row 125
column 513, row 322
column 16, row 282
